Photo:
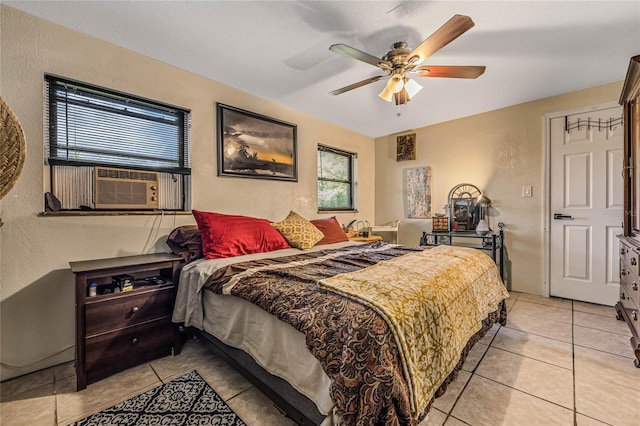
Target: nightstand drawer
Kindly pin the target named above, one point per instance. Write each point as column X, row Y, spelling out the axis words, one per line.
column 127, row 309
column 111, row 352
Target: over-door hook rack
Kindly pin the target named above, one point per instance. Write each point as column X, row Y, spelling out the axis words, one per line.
column 601, row 124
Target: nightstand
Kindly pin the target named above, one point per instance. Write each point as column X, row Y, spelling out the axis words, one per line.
column 128, row 320
column 369, row 239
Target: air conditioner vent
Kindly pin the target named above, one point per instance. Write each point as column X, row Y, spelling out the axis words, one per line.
column 125, row 189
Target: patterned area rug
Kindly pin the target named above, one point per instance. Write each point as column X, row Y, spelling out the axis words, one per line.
column 187, row 400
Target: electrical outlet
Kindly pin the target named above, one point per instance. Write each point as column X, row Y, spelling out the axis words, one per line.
column 526, row 191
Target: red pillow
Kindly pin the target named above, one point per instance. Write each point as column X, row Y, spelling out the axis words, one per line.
column 226, row 235
column 331, row 229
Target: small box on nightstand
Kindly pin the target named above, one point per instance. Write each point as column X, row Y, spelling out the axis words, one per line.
column 123, row 282
column 440, row 223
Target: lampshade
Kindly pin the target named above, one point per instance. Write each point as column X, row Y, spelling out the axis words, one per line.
column 484, row 202
column 411, row 87
column 402, row 97
column 483, row 199
column 386, row 94
column 394, row 85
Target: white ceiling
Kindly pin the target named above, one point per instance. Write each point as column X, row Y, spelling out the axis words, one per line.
column 278, row 50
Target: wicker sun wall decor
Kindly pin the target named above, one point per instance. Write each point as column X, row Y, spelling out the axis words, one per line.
column 12, row 149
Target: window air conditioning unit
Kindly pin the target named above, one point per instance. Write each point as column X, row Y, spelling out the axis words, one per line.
column 125, row 189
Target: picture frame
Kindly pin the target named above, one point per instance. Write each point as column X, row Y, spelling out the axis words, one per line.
column 406, row 147
column 252, row 145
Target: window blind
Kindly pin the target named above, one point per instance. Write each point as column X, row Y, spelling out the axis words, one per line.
column 97, row 126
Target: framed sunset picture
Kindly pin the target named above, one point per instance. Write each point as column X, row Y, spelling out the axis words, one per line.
column 255, row 146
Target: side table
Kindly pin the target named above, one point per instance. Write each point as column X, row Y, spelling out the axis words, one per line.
column 119, row 326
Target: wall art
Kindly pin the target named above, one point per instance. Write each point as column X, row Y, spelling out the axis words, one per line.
column 418, row 190
column 406, row 147
column 251, row 145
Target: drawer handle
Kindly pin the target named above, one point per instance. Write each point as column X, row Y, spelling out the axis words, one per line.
column 623, row 272
column 135, row 309
column 622, row 296
column 622, row 251
column 134, row 340
column 635, row 315
column 633, row 261
column 634, row 286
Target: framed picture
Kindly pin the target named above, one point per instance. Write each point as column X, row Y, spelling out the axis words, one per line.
column 406, row 147
column 255, row 146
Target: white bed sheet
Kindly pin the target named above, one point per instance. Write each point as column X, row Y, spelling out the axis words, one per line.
column 275, row 345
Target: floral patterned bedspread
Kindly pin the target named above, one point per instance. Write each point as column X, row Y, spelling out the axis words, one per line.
column 433, row 302
column 354, row 343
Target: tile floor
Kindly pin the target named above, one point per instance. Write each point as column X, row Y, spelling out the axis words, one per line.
column 556, row 362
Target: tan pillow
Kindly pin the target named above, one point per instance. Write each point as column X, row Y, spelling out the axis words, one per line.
column 298, row 231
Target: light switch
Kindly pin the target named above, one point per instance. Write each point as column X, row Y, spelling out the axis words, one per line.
column 526, row 191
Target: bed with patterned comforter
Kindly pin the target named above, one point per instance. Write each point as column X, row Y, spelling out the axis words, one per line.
column 388, row 323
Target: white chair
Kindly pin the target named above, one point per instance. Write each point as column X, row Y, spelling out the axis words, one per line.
column 410, row 230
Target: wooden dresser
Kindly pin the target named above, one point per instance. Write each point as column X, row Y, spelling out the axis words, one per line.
column 128, row 320
column 628, row 307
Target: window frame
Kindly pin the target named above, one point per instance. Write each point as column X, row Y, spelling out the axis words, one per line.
column 352, row 181
column 183, row 126
column 164, row 149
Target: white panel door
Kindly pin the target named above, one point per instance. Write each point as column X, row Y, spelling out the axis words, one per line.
column 586, row 207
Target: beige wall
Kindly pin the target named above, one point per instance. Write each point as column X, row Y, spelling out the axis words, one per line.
column 37, row 300
column 499, row 152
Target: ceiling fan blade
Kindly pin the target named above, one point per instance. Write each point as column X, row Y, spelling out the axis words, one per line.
column 451, row 71
column 449, row 31
column 359, row 55
column 356, row 85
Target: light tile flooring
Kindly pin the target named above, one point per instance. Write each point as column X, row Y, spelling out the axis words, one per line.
column 556, row 362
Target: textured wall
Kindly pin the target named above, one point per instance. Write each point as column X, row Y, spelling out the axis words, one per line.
column 499, row 152
column 37, row 300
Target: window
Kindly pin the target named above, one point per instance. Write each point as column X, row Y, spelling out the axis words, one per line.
column 90, row 126
column 336, row 179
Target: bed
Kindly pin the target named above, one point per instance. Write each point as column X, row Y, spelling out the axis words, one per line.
column 338, row 332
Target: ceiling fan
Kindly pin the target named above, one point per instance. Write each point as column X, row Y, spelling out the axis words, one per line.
column 400, row 60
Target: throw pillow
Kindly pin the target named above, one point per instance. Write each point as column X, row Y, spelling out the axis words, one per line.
column 226, row 235
column 298, row 231
column 331, row 229
column 185, row 241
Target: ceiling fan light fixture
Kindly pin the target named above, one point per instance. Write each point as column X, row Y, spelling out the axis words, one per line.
column 402, row 97
column 395, row 83
column 386, row 94
column 411, row 87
